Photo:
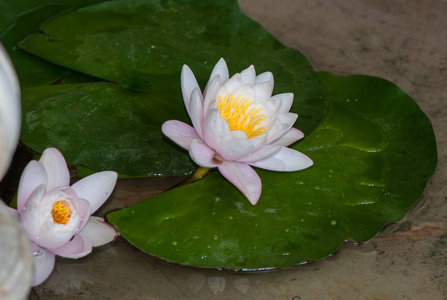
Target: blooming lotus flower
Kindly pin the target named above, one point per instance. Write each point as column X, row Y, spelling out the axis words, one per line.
column 56, row 217
column 237, row 123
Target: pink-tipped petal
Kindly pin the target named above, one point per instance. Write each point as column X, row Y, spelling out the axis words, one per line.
column 290, row 137
column 285, row 160
column 43, row 265
column 56, row 168
column 181, row 133
column 244, row 178
column 220, row 69
column 78, row 247
column 33, row 176
column 248, row 76
column 189, row 83
column 96, row 188
column 203, row 155
column 196, row 111
column 98, row 231
column 29, row 217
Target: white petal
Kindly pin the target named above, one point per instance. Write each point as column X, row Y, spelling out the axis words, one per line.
column 96, row 188
column 189, row 83
column 247, row 91
column 99, row 232
column 211, row 92
column 285, row 160
column 43, row 265
column 283, row 123
column 203, row 155
column 78, row 247
column 286, row 102
column 248, row 76
column 181, row 133
column 220, row 69
column 33, row 175
column 264, row 152
column 215, row 129
column 290, row 137
column 10, row 116
column 56, row 168
column 30, row 217
column 196, row 111
column 263, row 92
column 244, row 178
column 233, row 83
column 236, row 149
column 265, row 77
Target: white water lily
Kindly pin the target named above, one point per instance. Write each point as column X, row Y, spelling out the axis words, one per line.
column 237, row 123
column 56, row 216
column 10, row 115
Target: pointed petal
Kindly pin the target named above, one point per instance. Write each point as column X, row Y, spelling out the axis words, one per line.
column 78, row 247
column 57, row 171
column 43, row 265
column 220, row 69
column 264, row 152
column 33, row 176
column 233, row 83
column 286, row 102
column 248, row 76
column 244, row 178
column 265, row 77
column 29, row 217
column 202, row 155
column 283, row 123
column 99, row 232
column 181, row 133
column 196, row 111
column 285, row 160
column 96, row 188
column 189, row 83
column 211, row 92
column 289, row 137
column 263, row 92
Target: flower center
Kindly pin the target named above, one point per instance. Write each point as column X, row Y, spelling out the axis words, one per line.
column 240, row 116
column 61, row 212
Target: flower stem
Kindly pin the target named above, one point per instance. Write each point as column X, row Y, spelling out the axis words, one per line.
column 196, row 176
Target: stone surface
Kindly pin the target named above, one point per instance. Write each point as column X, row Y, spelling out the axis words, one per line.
column 402, row 41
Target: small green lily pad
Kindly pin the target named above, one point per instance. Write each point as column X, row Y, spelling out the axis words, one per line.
column 373, row 153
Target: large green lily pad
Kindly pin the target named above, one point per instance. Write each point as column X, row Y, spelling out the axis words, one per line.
column 140, row 47
column 373, row 153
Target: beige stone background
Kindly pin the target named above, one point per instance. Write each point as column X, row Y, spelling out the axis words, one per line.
column 404, row 41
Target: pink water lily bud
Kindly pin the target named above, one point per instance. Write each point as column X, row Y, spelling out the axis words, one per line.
column 237, row 123
column 56, row 216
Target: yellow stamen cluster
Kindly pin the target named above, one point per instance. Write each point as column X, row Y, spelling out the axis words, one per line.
column 61, row 212
column 239, row 116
